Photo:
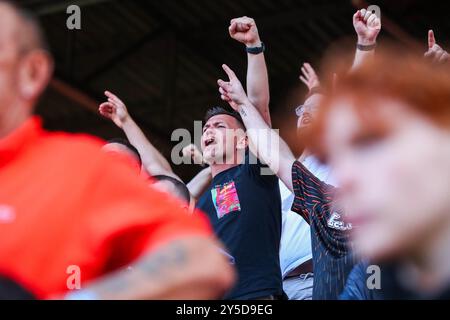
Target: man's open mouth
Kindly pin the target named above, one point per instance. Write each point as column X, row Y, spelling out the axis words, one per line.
column 306, row 120
column 209, row 141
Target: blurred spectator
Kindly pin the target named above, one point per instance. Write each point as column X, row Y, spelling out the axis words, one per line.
column 386, row 135
column 64, row 203
column 152, row 161
column 124, row 150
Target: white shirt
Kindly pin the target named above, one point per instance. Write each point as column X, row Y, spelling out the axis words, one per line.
column 295, row 245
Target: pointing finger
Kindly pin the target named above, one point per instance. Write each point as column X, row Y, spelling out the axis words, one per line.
column 229, row 72
column 431, row 39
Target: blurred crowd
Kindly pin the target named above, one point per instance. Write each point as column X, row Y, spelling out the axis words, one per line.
column 363, row 213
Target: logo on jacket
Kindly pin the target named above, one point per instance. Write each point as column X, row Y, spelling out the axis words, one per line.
column 336, row 223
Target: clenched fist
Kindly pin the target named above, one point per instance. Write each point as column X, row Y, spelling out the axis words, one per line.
column 114, row 109
column 367, row 26
column 245, row 31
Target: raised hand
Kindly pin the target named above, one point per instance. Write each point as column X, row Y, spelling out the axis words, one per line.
column 367, row 26
column 309, row 77
column 245, row 31
column 114, row 109
column 435, row 52
column 191, row 151
column 232, row 91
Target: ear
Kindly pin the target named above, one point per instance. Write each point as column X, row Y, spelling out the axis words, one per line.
column 36, row 69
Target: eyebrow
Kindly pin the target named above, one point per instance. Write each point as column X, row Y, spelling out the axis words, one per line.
column 214, row 124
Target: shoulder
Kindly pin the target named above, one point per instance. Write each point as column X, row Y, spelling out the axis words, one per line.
column 73, row 148
column 71, row 142
column 303, row 178
column 258, row 171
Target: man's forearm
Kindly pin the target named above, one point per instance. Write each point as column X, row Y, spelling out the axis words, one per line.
column 361, row 57
column 258, row 85
column 198, row 185
column 184, row 269
column 267, row 144
column 154, row 162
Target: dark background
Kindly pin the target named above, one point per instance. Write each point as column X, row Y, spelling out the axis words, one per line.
column 163, row 57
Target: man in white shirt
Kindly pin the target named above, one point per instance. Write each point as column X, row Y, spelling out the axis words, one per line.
column 295, row 246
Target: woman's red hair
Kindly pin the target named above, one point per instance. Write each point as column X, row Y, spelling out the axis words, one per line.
column 421, row 86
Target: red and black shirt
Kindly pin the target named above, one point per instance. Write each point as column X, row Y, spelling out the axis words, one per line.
column 331, row 249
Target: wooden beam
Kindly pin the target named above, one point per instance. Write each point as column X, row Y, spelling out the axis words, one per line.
column 74, row 94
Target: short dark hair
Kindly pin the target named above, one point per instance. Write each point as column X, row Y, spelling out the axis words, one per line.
column 128, row 145
column 181, row 189
column 217, row 110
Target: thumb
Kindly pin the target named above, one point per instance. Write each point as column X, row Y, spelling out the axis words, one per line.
column 431, row 39
column 229, row 72
column 232, row 28
column 356, row 16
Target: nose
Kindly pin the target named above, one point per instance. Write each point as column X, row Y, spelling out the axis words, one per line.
column 306, row 117
column 345, row 174
column 207, row 132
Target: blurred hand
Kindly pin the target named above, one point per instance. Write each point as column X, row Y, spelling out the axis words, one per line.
column 232, row 91
column 245, row 31
column 435, row 52
column 114, row 109
column 191, row 151
column 309, row 77
column 367, row 26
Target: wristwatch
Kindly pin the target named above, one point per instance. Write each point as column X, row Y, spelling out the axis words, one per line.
column 256, row 50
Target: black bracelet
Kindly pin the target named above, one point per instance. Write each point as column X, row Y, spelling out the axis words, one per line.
column 313, row 91
column 256, row 50
column 363, row 47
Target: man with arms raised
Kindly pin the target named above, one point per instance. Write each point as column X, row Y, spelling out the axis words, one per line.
column 243, row 204
column 331, row 249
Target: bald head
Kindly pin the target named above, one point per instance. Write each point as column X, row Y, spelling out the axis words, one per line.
column 23, row 27
column 26, row 66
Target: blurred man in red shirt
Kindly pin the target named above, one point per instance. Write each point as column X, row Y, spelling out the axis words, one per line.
column 71, row 216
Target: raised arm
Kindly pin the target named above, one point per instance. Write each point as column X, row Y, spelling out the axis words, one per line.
column 367, row 26
column 185, row 269
column 198, row 185
column 263, row 139
column 152, row 160
column 435, row 52
column 244, row 30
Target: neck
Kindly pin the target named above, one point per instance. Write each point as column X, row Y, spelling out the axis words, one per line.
column 304, row 155
column 430, row 264
column 218, row 168
column 13, row 119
